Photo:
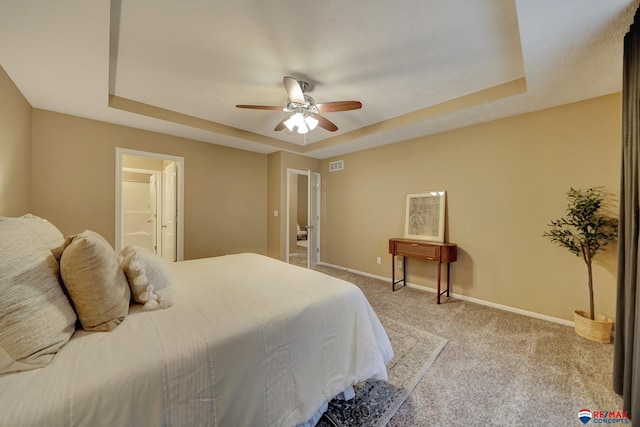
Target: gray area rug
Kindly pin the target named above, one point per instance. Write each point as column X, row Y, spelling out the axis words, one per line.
column 376, row 401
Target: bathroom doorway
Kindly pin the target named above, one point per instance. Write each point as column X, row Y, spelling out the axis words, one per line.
column 141, row 196
column 149, row 202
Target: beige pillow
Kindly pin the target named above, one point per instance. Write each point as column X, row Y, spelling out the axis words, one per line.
column 47, row 233
column 95, row 282
column 148, row 277
column 36, row 319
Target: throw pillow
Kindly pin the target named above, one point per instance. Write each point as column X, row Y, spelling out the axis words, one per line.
column 148, row 277
column 47, row 233
column 36, row 318
column 95, row 282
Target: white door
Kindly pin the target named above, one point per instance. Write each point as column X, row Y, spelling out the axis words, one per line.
column 313, row 232
column 168, row 240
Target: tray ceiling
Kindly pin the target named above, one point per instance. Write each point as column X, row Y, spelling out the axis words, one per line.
column 418, row 67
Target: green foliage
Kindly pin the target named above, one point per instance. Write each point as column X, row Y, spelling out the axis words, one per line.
column 583, row 230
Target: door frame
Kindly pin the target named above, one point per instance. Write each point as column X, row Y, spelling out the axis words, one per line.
column 294, row 172
column 179, row 199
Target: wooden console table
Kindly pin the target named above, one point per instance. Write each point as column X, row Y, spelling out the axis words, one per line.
column 436, row 251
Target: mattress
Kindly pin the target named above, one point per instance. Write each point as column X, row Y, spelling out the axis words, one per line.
column 249, row 341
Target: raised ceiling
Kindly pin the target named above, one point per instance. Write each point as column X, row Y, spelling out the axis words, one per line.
column 418, row 66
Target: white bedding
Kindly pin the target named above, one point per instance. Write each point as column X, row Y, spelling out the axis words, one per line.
column 249, row 341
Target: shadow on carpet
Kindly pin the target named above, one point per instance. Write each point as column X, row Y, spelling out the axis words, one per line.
column 376, row 401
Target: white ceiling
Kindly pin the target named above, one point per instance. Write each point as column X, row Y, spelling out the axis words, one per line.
column 415, row 64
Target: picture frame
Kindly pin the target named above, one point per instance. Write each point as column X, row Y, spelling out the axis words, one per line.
column 425, row 216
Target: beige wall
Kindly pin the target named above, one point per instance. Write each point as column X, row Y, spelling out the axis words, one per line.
column 15, row 149
column 505, row 180
column 274, row 197
column 279, row 163
column 73, row 183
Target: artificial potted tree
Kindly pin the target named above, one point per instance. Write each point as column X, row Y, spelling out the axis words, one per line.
column 584, row 231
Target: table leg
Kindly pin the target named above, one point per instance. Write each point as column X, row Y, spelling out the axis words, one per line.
column 393, row 273
column 394, row 282
column 439, row 268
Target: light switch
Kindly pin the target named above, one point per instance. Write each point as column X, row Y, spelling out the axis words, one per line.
column 275, row 212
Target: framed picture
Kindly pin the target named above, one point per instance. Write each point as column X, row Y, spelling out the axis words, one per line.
column 424, row 216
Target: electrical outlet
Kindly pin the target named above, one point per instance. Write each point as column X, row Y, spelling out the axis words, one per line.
column 399, row 264
column 379, row 260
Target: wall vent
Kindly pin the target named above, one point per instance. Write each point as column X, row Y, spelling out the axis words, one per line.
column 338, row 165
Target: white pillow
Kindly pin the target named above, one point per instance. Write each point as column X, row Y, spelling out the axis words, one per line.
column 95, row 282
column 148, row 277
column 36, row 318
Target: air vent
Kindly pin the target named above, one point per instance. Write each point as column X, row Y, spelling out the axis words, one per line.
column 338, row 165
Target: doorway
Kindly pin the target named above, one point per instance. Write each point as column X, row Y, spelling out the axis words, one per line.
column 141, row 194
column 303, row 218
column 149, row 202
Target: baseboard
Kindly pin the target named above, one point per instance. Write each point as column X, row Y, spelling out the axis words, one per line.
column 461, row 297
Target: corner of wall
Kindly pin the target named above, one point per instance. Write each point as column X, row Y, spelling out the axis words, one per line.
column 15, row 137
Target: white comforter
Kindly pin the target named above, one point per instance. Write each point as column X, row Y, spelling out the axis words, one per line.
column 249, row 341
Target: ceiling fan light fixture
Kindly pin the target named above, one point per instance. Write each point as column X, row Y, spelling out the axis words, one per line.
column 302, row 129
column 311, row 121
column 290, row 123
column 304, row 112
column 298, row 120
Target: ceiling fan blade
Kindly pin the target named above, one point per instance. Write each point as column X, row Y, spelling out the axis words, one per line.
column 330, row 107
column 294, row 90
column 325, row 124
column 280, row 125
column 260, row 107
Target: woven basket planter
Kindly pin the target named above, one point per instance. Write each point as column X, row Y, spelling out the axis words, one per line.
column 598, row 330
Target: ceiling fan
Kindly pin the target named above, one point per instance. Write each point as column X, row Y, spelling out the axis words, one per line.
column 305, row 113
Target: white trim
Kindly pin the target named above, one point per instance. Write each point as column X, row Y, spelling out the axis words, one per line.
column 462, row 297
column 180, row 223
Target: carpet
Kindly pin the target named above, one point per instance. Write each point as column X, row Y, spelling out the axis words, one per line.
column 375, row 402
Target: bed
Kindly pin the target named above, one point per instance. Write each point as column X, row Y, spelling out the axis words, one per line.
column 247, row 341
